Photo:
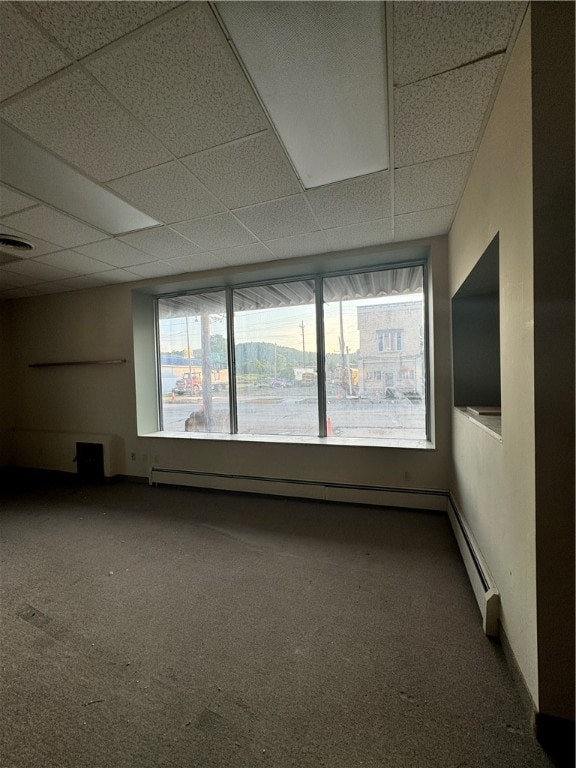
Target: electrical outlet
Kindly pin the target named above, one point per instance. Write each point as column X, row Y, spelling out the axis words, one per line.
column 133, row 456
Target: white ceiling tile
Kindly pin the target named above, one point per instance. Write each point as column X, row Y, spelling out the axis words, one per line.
column 413, row 226
column 35, row 270
column 247, row 171
column 169, row 193
column 18, row 293
column 279, row 218
column 75, row 118
column 222, row 231
column 197, row 263
column 74, row 262
column 11, row 201
column 85, row 27
column 430, row 185
column 27, row 56
column 350, row 202
column 245, row 254
column 360, row 235
column 115, row 276
column 114, row 253
column 161, row 242
column 181, row 79
column 430, row 38
column 55, row 286
column 442, row 116
column 79, row 282
column 14, row 280
column 40, row 248
column 158, row 268
column 299, row 245
column 53, row 226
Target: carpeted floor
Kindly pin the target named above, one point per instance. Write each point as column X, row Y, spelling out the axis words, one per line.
column 170, row 627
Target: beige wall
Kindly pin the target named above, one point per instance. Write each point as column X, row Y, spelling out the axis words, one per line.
column 494, row 481
column 57, row 406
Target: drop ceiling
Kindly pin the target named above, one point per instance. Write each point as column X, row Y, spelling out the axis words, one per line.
column 148, row 106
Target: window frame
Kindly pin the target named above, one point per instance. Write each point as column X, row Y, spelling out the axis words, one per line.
column 317, row 278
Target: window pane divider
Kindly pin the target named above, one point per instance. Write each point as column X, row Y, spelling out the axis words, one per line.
column 320, row 356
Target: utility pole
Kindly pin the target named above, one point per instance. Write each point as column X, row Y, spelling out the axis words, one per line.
column 206, row 370
column 303, row 344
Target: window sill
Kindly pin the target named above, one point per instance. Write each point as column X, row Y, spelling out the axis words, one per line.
column 492, row 424
column 356, row 442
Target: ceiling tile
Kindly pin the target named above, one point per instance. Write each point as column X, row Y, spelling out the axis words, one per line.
column 350, row 202
column 430, row 185
column 74, row 262
column 79, row 282
column 442, row 116
column 53, row 226
column 412, row 226
column 11, row 201
column 40, row 246
column 75, row 118
column 85, row 27
column 115, row 253
column 215, row 232
column 196, row 263
column 360, row 235
column 279, row 218
column 154, row 269
column 27, row 56
column 14, row 280
column 299, row 245
column 181, row 79
column 247, row 171
column 115, row 276
column 169, row 193
column 54, row 286
column 430, row 38
column 18, row 293
column 245, row 254
column 161, row 242
column 32, row 268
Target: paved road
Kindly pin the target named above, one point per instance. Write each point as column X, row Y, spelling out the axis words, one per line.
column 283, row 413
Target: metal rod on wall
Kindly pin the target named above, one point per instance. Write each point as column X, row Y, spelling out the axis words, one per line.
column 78, row 362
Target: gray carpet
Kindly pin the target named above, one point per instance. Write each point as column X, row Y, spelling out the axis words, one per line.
column 170, row 627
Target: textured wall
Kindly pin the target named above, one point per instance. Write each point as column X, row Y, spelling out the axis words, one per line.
column 493, row 479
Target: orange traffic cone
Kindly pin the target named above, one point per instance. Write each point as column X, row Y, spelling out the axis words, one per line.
column 329, row 430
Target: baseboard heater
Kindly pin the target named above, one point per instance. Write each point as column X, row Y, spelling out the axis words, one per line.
column 483, row 585
column 414, row 498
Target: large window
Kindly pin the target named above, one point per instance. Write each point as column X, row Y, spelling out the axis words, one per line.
column 333, row 356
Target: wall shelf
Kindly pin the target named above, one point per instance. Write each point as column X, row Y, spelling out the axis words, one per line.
column 78, row 362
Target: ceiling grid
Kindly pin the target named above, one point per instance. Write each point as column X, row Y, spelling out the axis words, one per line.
column 149, row 101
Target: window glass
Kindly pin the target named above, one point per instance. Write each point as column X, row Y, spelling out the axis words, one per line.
column 374, row 354
column 372, row 369
column 194, row 363
column 275, row 349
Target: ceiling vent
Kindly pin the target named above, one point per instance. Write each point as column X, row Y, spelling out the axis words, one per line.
column 10, row 247
column 7, row 242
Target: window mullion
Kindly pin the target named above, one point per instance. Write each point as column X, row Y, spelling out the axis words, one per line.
column 320, row 356
column 233, row 406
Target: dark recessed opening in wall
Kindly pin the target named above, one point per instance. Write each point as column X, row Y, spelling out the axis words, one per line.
column 476, row 334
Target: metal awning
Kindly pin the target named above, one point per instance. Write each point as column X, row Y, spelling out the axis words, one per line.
column 363, row 285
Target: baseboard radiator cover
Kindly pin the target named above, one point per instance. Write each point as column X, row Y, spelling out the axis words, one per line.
column 483, row 584
column 413, row 498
